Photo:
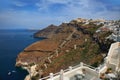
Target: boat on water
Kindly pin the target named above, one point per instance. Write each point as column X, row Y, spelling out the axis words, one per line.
column 9, row 73
column 13, row 71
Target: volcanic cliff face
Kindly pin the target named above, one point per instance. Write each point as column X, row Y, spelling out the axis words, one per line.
column 41, row 49
column 66, row 45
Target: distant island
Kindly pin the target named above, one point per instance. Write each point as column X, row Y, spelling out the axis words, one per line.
column 80, row 40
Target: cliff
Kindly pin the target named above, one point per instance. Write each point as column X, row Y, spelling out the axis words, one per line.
column 66, row 45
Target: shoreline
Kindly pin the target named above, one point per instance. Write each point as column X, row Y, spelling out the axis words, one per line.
column 30, row 69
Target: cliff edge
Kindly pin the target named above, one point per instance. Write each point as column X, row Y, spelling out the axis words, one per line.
column 66, row 45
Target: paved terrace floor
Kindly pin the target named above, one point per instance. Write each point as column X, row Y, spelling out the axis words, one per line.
column 79, row 74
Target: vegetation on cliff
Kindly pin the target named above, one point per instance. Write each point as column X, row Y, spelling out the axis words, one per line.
column 74, row 42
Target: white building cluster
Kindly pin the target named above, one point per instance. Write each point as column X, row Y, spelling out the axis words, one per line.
column 108, row 25
column 116, row 34
column 114, row 27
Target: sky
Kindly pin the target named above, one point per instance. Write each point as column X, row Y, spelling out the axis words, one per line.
column 38, row 14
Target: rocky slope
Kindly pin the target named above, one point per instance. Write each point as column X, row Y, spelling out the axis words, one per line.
column 47, row 32
column 66, row 45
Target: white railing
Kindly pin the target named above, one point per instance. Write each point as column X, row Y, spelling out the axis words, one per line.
column 67, row 70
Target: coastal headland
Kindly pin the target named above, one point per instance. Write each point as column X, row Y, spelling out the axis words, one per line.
column 80, row 40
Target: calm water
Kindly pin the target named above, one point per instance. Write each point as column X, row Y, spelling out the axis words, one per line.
column 11, row 43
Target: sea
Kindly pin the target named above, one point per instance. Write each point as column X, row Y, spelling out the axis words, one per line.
column 12, row 42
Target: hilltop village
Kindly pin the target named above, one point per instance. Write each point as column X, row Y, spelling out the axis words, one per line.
column 80, row 40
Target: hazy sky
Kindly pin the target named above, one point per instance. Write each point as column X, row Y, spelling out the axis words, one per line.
column 40, row 13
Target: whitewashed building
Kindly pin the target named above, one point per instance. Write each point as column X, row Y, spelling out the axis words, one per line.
column 116, row 34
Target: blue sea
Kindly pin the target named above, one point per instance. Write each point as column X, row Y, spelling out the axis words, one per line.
column 12, row 42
